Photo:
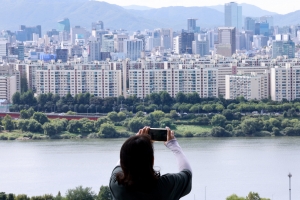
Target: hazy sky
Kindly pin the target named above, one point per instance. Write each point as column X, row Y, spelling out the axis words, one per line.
column 281, row 7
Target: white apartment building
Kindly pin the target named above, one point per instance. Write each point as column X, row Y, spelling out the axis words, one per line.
column 100, row 79
column 250, row 86
column 210, row 86
column 285, row 82
column 9, row 82
column 146, row 81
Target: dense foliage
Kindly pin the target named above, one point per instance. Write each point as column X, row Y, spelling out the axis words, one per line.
column 189, row 103
column 78, row 193
column 250, row 196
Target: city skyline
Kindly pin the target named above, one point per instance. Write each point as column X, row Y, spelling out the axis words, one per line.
column 266, row 5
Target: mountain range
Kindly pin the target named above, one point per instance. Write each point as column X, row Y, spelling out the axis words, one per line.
column 84, row 12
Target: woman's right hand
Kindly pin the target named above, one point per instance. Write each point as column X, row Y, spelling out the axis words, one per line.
column 170, row 135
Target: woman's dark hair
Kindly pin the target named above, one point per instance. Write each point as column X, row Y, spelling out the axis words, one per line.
column 136, row 158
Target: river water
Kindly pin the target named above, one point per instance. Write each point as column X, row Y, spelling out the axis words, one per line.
column 222, row 166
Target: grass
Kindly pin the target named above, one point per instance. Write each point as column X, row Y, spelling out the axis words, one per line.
column 192, row 128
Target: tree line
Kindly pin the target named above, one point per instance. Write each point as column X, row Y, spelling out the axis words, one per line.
column 78, row 193
column 189, row 103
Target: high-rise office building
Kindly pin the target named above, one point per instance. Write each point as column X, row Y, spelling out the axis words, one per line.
column 249, row 24
column 62, row 54
column 166, row 38
column 260, row 41
column 94, row 51
column 107, row 44
column 264, row 29
column 227, row 41
column 133, row 48
column 26, row 33
column 233, row 15
column 192, row 25
column 186, row 42
column 77, row 30
column 21, row 51
column 119, row 42
column 3, row 48
column 201, row 47
column 268, row 19
column 98, row 25
column 283, row 46
column 64, row 25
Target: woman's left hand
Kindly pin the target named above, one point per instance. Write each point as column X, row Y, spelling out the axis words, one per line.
column 144, row 131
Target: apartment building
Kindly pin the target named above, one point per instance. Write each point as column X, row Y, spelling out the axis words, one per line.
column 9, row 82
column 146, row 81
column 250, row 86
column 101, row 79
column 285, row 82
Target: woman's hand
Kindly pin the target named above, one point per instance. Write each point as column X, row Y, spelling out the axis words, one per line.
column 170, row 135
column 144, row 131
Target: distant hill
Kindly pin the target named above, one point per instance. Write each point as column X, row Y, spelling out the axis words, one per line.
column 248, row 10
column 136, row 7
column 84, row 12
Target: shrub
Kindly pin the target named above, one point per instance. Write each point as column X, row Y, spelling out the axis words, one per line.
column 188, row 134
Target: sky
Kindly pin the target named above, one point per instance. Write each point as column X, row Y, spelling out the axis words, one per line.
column 281, row 7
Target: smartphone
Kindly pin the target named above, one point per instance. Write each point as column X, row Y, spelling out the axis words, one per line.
column 158, row 134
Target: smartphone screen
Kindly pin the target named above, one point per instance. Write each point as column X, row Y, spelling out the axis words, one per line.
column 158, row 134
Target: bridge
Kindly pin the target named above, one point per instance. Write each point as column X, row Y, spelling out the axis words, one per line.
column 94, row 117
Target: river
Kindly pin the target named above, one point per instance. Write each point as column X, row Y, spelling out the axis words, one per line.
column 222, row 166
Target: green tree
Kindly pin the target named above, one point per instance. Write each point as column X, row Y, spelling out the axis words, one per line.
column 22, row 197
column 58, row 196
column 139, row 114
column 24, row 84
column 23, row 124
column 24, row 114
column 8, row 123
column 108, row 130
column 250, row 126
column 235, row 197
column 173, row 114
column 158, row 114
column 193, row 98
column 219, row 132
column 87, row 125
column 30, row 111
column 113, row 116
column 74, row 126
column 254, row 196
column 165, row 98
column 40, row 117
column 104, row 193
column 136, row 124
column 121, row 116
column 180, row 97
column 49, row 129
column 207, row 108
column 16, row 98
column 218, row 120
column 155, row 98
column 99, row 122
column 219, row 107
column 34, row 126
column 2, row 196
column 10, row 197
column 80, row 193
column 228, row 114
